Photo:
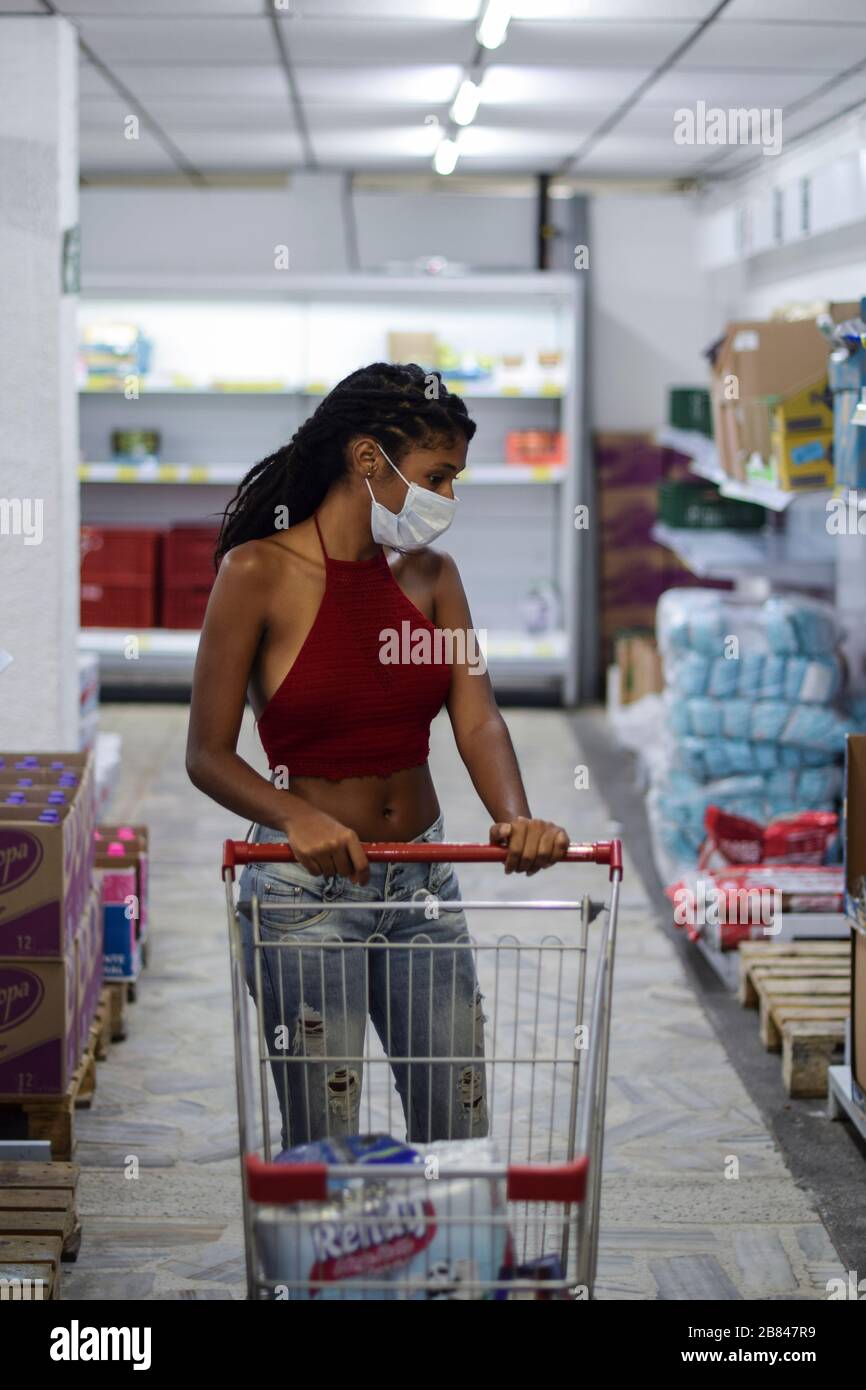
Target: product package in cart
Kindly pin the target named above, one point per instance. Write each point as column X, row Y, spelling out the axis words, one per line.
column 436, row 1235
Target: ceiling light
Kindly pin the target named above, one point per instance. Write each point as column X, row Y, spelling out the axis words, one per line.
column 465, row 103
column 445, row 158
column 494, row 23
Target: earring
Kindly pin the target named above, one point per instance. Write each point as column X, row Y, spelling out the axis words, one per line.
column 371, row 471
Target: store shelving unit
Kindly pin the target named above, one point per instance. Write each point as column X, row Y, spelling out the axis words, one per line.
column 705, row 464
column 301, row 334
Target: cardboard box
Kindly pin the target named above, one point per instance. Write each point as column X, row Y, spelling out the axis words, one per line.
column 136, row 840
column 116, row 886
column 639, row 664
column 413, row 347
column 40, row 1027
column 43, row 881
column 771, row 357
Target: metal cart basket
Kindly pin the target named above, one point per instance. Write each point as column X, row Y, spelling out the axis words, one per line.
column 509, row 1212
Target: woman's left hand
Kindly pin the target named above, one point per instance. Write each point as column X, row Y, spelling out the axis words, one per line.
column 532, row 844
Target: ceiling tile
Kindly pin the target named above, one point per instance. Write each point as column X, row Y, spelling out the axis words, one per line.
column 803, row 47
column 100, row 152
column 612, row 10
column 240, row 114
column 21, row 7
column 417, row 86
column 175, row 40
column 789, row 10
column 202, row 80
column 517, row 86
column 585, row 45
column 374, row 10
column 351, row 42
column 263, row 149
column 683, row 87
column 175, row 9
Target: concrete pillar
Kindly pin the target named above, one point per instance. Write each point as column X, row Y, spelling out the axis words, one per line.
column 38, row 400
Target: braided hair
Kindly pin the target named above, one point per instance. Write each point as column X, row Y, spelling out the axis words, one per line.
column 398, row 406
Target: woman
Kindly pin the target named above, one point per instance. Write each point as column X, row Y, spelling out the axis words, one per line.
column 303, row 616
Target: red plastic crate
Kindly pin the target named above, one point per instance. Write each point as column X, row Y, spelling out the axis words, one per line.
column 183, row 606
column 131, row 606
column 120, row 555
column 188, row 556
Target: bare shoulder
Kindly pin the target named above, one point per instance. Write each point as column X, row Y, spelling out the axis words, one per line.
column 269, row 560
column 427, row 568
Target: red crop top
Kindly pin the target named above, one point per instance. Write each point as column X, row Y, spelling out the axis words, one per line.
column 345, row 709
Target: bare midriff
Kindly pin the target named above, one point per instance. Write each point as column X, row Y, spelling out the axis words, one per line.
column 398, row 807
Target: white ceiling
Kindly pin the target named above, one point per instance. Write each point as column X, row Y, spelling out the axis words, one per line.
column 587, row 87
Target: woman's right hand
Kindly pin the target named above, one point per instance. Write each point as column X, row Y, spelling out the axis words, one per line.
column 325, row 847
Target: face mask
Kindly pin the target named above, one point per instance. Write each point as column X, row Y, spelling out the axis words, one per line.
column 423, row 516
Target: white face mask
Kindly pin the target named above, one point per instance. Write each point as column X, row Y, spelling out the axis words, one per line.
column 423, row 516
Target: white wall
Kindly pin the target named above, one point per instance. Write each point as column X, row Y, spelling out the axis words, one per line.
column 650, row 312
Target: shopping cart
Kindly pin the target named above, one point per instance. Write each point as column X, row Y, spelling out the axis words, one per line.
column 512, row 1216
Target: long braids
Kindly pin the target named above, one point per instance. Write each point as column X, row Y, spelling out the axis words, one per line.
column 396, row 405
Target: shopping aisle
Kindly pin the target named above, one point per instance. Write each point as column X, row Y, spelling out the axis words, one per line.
column 673, row 1225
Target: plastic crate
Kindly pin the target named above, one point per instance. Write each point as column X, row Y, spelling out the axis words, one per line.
column 129, row 605
column 120, row 554
column 183, row 606
column 188, row 556
column 701, row 507
column 689, row 409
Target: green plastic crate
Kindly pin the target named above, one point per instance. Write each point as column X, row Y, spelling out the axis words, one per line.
column 689, row 409
column 703, row 508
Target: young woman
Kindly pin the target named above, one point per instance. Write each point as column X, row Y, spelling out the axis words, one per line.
column 302, row 618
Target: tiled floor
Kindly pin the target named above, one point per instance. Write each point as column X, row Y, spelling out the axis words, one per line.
column 160, row 1199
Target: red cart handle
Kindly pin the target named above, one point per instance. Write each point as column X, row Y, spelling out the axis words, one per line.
column 429, row 852
column 285, row 1183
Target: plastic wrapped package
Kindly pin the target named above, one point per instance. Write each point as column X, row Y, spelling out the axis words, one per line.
column 795, row 624
column 435, row 1235
column 736, row 718
column 772, row 684
column 724, row 677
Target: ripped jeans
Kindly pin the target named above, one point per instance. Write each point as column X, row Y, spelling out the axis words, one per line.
column 323, row 972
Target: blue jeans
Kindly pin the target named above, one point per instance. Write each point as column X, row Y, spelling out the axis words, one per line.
column 323, row 971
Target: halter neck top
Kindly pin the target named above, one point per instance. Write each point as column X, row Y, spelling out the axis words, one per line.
column 369, row 679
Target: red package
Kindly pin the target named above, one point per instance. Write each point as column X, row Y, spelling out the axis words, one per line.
column 803, row 838
column 727, row 906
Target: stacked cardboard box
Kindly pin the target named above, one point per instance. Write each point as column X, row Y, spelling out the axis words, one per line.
column 772, row 410
column 634, row 571
column 121, row 872
column 50, row 941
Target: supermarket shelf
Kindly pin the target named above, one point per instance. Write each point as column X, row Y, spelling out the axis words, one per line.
column 467, row 389
column 705, row 464
column 740, row 554
column 166, row 656
column 230, row 473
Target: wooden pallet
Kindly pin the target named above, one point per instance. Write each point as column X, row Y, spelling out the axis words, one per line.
column 802, row 991
column 52, row 1117
column 118, row 999
column 39, row 1227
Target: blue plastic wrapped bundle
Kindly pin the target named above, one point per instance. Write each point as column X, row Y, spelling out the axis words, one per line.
column 769, row 718
column 811, row 682
column 679, row 720
column 750, row 669
column 736, row 718
column 724, row 677
column 819, row 787
column 692, row 674
column 767, row 756
column 815, row 726
column 772, row 678
column 800, row 626
column 705, row 717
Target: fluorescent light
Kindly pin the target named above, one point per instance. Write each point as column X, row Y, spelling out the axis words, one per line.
column 465, row 103
column 445, row 158
column 494, row 23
